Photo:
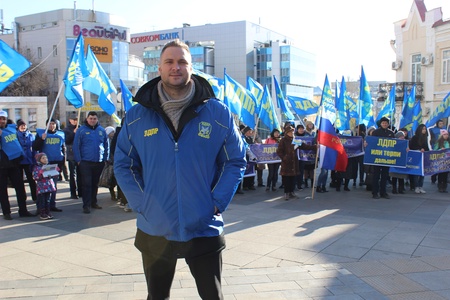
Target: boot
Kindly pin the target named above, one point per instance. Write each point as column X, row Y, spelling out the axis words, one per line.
column 286, row 197
column 394, row 189
column 338, row 185
column 306, row 183
column 440, row 187
column 444, row 187
column 324, row 190
column 319, row 189
column 292, row 195
column 42, row 213
column 346, row 185
column 113, row 194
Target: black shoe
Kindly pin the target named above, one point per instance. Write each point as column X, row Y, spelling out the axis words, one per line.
column 354, row 183
column 26, row 214
column 239, row 192
column 86, row 210
column 274, row 189
column 346, row 188
column 361, row 183
column 251, row 188
column 96, row 206
column 7, row 217
column 55, row 209
column 261, row 185
column 73, row 196
column 385, row 196
column 375, row 196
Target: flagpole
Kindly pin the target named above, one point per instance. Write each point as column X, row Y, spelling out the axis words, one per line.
column 54, row 106
column 315, row 171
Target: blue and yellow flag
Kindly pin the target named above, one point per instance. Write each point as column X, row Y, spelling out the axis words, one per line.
column 75, row 74
column 342, row 122
column 98, row 83
column 281, row 102
column 417, row 117
column 217, row 84
column 409, row 99
column 12, row 64
column 127, row 96
column 267, row 114
column 257, row 90
column 237, row 97
column 442, row 111
column 389, row 106
column 365, row 102
column 302, row 106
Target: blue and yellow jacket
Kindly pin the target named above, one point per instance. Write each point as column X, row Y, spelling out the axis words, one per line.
column 175, row 179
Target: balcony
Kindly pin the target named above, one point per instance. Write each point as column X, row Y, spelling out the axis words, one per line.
column 401, row 87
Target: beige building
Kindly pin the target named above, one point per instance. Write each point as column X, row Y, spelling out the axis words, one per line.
column 422, row 47
column 49, row 38
column 33, row 110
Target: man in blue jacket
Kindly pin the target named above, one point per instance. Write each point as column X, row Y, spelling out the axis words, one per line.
column 179, row 158
column 90, row 150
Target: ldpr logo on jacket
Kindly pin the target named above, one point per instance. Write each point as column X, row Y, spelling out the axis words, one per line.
column 150, row 132
column 204, row 130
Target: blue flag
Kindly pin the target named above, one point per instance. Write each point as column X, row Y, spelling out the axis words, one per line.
column 216, row 83
column 442, row 111
column 76, row 73
column 12, row 64
column 303, row 107
column 237, row 96
column 257, row 90
column 127, row 96
column 342, row 108
column 365, row 102
column 267, row 114
column 98, row 83
column 406, row 119
column 389, row 106
column 417, row 117
column 281, row 102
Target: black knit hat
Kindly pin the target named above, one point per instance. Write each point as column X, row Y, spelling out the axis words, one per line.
column 20, row 122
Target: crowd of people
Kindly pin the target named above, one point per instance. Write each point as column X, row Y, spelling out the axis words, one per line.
column 298, row 174
column 43, row 157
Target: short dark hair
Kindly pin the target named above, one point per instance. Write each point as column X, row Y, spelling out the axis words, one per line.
column 176, row 43
column 92, row 113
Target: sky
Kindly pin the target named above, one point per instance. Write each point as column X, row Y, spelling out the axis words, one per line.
column 343, row 34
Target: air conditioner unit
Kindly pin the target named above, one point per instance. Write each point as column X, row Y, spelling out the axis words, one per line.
column 427, row 60
column 396, row 65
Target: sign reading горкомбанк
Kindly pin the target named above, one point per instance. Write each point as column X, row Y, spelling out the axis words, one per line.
column 385, row 152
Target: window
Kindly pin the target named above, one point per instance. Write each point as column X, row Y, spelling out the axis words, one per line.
column 416, row 68
column 55, row 50
column 55, row 74
column 39, row 52
column 446, row 66
column 28, row 53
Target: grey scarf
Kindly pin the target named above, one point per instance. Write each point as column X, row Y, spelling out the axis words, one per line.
column 174, row 108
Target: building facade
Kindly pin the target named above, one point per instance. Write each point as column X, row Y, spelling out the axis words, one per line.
column 240, row 49
column 422, row 47
column 49, row 38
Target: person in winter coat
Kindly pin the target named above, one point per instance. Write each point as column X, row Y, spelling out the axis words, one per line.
column 45, row 186
column 272, row 176
column 26, row 139
column 289, row 161
column 52, row 143
column 179, row 159
column 74, row 170
column 419, row 142
column 441, row 144
column 90, row 150
column 381, row 173
column 9, row 169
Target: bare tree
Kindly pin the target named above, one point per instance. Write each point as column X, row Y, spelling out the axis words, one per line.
column 33, row 82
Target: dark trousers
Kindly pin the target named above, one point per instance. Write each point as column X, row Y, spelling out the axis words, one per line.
column 301, row 169
column 360, row 167
column 31, row 183
column 272, row 177
column 203, row 256
column 379, row 181
column 289, row 183
column 43, row 202
column 16, row 178
column 74, row 178
column 90, row 176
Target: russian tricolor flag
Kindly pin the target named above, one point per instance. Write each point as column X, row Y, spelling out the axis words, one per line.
column 332, row 153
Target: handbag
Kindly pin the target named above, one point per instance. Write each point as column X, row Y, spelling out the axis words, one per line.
column 107, row 177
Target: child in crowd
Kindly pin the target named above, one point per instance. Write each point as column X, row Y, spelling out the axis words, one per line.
column 44, row 186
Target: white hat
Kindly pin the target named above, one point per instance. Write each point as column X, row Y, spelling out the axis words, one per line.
column 109, row 129
column 3, row 114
